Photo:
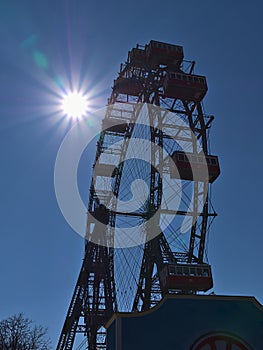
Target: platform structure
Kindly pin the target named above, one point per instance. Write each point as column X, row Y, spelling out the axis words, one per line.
column 156, row 78
column 196, row 322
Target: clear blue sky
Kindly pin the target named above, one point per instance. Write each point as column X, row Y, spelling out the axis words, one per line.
column 43, row 40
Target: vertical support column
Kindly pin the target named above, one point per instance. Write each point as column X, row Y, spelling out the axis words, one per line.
column 118, row 333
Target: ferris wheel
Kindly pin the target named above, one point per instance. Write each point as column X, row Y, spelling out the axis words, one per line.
column 149, row 208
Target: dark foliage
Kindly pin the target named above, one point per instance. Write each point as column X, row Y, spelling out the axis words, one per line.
column 20, row 333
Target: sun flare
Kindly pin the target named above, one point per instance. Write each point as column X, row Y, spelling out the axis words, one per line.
column 74, row 105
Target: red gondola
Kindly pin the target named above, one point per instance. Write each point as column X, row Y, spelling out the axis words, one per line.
column 105, row 170
column 114, row 125
column 128, row 86
column 185, row 86
column 184, row 165
column 163, row 53
column 137, row 57
column 187, row 277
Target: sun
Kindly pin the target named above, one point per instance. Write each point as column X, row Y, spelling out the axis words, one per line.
column 74, row 105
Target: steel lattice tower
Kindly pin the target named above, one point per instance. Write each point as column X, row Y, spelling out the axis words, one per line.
column 130, row 279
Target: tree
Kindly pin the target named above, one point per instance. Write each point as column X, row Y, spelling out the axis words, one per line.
column 20, row 333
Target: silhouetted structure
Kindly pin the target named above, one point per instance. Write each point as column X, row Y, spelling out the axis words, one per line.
column 136, row 279
column 191, row 323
